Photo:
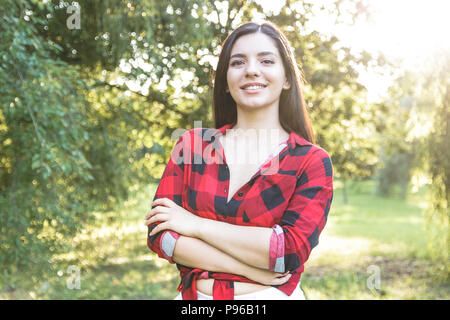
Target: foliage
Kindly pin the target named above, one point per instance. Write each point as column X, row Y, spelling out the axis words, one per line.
column 398, row 149
column 437, row 149
column 396, row 172
column 43, row 171
column 416, row 138
column 145, row 43
column 87, row 114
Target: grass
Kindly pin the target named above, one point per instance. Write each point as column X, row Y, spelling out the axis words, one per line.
column 373, row 233
column 365, row 236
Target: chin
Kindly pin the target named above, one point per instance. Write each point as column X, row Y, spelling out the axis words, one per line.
column 254, row 105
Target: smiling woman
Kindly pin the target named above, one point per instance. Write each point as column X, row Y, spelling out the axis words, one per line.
column 243, row 230
column 250, row 92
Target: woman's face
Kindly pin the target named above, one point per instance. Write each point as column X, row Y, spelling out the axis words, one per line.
column 256, row 74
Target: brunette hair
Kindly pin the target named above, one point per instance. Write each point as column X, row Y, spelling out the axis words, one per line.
column 292, row 109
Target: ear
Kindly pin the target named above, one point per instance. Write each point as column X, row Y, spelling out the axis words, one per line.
column 286, row 85
column 227, row 90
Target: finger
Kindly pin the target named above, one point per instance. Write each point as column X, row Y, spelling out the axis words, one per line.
column 282, row 280
column 160, row 227
column 279, row 282
column 157, row 217
column 162, row 202
column 285, row 278
column 155, row 210
column 283, row 274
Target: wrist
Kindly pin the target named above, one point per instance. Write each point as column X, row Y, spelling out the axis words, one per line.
column 201, row 226
column 247, row 270
column 233, row 266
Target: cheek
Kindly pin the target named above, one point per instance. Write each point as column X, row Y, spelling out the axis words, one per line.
column 277, row 76
column 232, row 79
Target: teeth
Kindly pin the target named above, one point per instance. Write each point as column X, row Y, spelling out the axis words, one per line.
column 254, row 87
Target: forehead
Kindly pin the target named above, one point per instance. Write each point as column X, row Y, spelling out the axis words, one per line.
column 254, row 43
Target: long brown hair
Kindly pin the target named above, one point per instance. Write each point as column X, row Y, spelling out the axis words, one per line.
column 292, row 109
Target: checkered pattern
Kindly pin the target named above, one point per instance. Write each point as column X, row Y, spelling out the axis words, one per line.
column 293, row 200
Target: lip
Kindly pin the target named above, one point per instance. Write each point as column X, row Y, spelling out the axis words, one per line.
column 244, row 87
column 253, row 84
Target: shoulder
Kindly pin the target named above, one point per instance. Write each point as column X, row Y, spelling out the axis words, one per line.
column 320, row 156
column 318, row 152
column 308, row 156
column 300, row 147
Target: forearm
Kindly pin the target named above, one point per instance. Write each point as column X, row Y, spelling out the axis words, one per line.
column 250, row 245
column 196, row 253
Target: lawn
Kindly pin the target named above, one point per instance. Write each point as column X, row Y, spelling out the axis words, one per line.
column 371, row 237
column 371, row 248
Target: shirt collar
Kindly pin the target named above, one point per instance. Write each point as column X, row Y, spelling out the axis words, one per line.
column 294, row 138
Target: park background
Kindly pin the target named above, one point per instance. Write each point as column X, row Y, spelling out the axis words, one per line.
column 91, row 91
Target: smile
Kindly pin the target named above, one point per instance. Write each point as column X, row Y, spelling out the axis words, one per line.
column 253, row 88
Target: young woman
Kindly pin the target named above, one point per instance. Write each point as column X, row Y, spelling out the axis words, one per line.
column 244, row 229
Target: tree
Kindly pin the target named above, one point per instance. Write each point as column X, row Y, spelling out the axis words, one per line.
column 397, row 147
column 88, row 113
column 437, row 152
column 417, row 132
column 43, row 171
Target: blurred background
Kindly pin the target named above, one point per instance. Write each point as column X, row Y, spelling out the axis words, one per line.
column 91, row 91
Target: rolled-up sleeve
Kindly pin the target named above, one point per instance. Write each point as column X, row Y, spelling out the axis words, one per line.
column 171, row 187
column 305, row 217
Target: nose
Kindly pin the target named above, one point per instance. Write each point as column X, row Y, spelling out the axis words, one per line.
column 252, row 68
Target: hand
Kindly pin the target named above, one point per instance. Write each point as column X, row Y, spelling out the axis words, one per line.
column 172, row 217
column 267, row 277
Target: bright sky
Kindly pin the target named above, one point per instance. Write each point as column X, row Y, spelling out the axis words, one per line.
column 410, row 30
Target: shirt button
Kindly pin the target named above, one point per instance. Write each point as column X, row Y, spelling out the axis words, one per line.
column 240, row 193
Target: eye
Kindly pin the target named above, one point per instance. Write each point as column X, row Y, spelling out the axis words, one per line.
column 236, row 63
column 268, row 61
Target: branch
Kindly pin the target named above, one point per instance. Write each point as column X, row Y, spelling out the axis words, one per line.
column 156, row 97
column 28, row 107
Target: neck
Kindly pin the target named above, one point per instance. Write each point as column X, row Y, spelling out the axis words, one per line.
column 266, row 119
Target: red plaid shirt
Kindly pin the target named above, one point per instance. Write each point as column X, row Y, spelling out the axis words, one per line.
column 293, row 199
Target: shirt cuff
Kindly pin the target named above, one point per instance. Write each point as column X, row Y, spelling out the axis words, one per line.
column 167, row 244
column 276, row 251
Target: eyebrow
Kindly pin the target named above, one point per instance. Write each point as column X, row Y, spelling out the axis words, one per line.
column 262, row 53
